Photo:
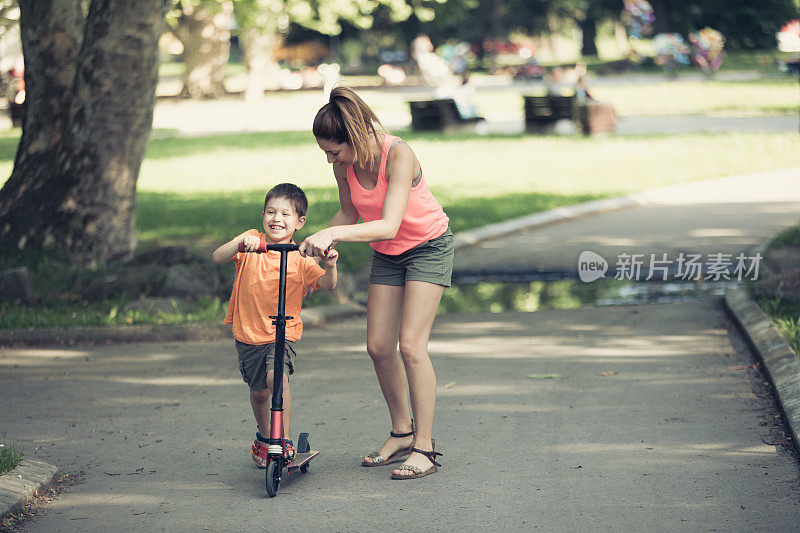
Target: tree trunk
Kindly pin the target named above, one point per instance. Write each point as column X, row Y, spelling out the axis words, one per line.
column 589, row 34
column 51, row 39
column 74, row 180
column 621, row 38
column 258, row 48
column 206, row 37
column 661, row 12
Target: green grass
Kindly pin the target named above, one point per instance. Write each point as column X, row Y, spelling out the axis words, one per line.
column 788, row 237
column 110, row 312
column 785, row 313
column 9, row 457
column 470, row 166
column 176, row 69
column 777, row 96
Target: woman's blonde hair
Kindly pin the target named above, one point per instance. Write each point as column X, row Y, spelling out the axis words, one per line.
column 346, row 118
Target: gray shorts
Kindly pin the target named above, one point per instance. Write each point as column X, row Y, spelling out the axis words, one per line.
column 256, row 360
column 431, row 261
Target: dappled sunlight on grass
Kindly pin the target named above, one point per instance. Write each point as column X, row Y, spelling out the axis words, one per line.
column 688, row 97
column 470, row 166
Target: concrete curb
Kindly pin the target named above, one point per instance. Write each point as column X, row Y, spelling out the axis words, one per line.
column 23, row 483
column 781, row 362
column 314, row 316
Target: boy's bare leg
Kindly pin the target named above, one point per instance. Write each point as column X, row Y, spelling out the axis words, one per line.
column 384, row 307
column 419, row 311
column 259, row 400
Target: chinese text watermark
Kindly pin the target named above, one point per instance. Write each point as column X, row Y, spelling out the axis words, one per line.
column 660, row 267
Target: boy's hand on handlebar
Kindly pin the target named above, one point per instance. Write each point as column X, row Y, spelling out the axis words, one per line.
column 330, row 258
column 251, row 242
column 317, row 245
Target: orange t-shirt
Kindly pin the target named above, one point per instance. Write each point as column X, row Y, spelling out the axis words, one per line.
column 254, row 297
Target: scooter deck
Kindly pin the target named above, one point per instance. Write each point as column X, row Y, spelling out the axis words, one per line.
column 302, row 459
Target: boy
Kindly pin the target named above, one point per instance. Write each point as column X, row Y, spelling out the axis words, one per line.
column 254, row 298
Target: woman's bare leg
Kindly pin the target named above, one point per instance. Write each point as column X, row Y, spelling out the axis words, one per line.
column 384, row 310
column 419, row 310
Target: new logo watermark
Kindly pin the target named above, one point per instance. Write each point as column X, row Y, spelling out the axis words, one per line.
column 660, row 267
column 591, row 266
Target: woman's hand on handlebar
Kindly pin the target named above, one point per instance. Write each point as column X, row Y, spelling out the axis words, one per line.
column 317, row 245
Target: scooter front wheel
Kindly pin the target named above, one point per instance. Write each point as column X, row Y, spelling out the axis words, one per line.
column 273, row 478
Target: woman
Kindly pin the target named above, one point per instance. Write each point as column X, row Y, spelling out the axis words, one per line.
column 380, row 181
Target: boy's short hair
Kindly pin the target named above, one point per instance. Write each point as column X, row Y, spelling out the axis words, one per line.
column 291, row 192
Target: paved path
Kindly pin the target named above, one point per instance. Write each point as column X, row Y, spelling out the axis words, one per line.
column 685, row 436
column 729, row 215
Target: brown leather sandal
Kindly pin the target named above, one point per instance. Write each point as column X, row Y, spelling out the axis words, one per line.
column 376, row 459
column 417, row 471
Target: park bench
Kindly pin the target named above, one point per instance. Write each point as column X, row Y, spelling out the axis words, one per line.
column 543, row 112
column 438, row 115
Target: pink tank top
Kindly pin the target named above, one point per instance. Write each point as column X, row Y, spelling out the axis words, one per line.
column 423, row 220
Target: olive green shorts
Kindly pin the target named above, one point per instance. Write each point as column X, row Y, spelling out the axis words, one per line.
column 256, row 360
column 431, row 261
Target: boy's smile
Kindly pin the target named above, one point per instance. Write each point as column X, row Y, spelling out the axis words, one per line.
column 281, row 220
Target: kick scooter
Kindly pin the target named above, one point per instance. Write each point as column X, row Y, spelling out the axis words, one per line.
column 277, row 453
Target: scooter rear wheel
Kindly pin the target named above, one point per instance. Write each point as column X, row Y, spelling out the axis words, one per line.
column 273, row 478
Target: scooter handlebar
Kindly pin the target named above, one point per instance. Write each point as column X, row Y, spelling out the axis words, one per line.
column 264, row 247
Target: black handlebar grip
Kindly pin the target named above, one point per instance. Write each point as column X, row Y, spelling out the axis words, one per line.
column 288, row 247
column 263, row 247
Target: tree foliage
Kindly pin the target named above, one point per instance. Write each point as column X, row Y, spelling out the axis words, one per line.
column 746, row 24
column 324, row 16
